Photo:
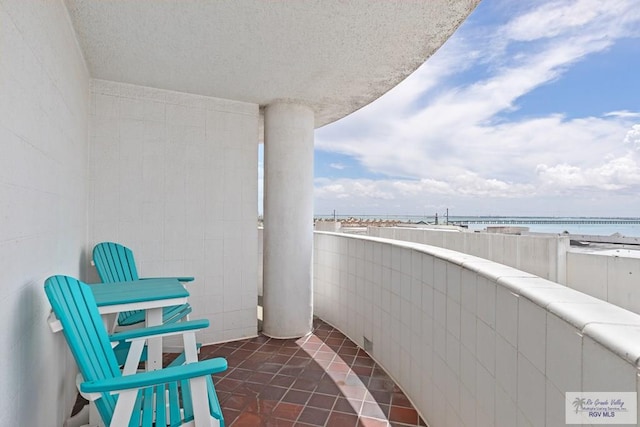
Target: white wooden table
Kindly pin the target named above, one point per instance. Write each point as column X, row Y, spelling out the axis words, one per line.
column 151, row 295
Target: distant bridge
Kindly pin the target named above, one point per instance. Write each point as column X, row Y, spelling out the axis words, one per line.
column 573, row 221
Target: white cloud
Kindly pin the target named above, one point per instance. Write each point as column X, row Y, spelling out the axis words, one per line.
column 557, row 18
column 619, row 174
column 623, row 114
column 633, row 137
column 338, row 166
column 448, row 140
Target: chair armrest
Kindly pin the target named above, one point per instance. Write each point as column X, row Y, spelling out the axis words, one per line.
column 147, row 379
column 171, row 328
column 180, row 279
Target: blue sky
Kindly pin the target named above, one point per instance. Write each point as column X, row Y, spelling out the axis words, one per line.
column 530, row 108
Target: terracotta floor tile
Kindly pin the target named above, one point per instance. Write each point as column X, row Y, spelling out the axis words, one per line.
column 374, row 410
column 376, row 383
column 296, row 396
column 323, row 379
column 399, row 399
column 343, row 405
column 262, row 339
column 293, row 371
column 261, row 406
column 324, row 364
column 260, row 377
column 270, row 367
column 246, row 389
column 327, row 386
column 364, row 361
column 279, row 358
column 334, row 343
column 314, row 416
column 239, row 354
column 338, row 366
column 362, row 371
column 282, row 381
column 298, row 361
column 304, row 384
column 236, row 402
column 341, row 419
column 313, row 373
column 372, row 422
column 228, row 384
column 380, row 397
column 279, row 422
column 321, row 401
column 271, row 347
column 290, row 351
column 346, row 358
column 311, row 347
column 272, row 392
column 239, row 374
column 337, row 335
column 230, row 415
column 356, row 404
column 251, row 345
column 287, row 411
column 403, row 415
column 324, row 355
column 248, row 419
column 353, row 391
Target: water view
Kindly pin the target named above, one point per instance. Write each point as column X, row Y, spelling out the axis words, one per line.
column 601, row 226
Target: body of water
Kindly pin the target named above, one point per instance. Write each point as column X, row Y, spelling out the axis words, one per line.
column 600, row 226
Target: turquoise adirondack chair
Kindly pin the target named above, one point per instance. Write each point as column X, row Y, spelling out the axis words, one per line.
column 174, row 396
column 115, row 263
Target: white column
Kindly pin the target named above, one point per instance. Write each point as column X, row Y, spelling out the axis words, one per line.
column 288, row 220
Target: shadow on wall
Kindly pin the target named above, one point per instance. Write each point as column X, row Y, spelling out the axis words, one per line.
column 28, row 382
column 86, row 269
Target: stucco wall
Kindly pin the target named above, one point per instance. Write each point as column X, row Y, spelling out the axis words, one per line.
column 610, row 277
column 174, row 177
column 472, row 342
column 544, row 256
column 44, row 98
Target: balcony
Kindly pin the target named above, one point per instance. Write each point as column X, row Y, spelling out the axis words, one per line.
column 472, row 342
column 109, row 134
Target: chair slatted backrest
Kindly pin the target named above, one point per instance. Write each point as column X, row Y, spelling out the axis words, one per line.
column 115, row 263
column 75, row 307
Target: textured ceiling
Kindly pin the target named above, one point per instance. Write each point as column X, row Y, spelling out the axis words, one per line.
column 335, row 56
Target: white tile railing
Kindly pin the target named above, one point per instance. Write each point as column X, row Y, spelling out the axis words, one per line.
column 470, row 341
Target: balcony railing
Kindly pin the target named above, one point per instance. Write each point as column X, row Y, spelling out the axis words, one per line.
column 470, row 341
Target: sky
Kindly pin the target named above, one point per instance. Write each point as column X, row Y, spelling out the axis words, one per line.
column 531, row 108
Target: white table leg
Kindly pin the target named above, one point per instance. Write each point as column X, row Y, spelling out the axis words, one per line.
column 154, row 350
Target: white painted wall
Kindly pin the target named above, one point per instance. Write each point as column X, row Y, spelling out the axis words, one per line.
column 473, row 342
column 174, row 177
column 44, row 98
column 608, row 275
column 611, row 277
column 542, row 255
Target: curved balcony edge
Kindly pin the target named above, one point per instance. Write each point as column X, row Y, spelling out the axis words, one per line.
column 471, row 341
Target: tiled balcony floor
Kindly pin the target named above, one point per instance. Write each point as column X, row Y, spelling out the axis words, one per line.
column 323, row 379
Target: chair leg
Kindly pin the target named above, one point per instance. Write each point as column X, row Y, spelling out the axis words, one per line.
column 199, row 399
column 81, row 419
column 190, row 347
column 124, row 408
